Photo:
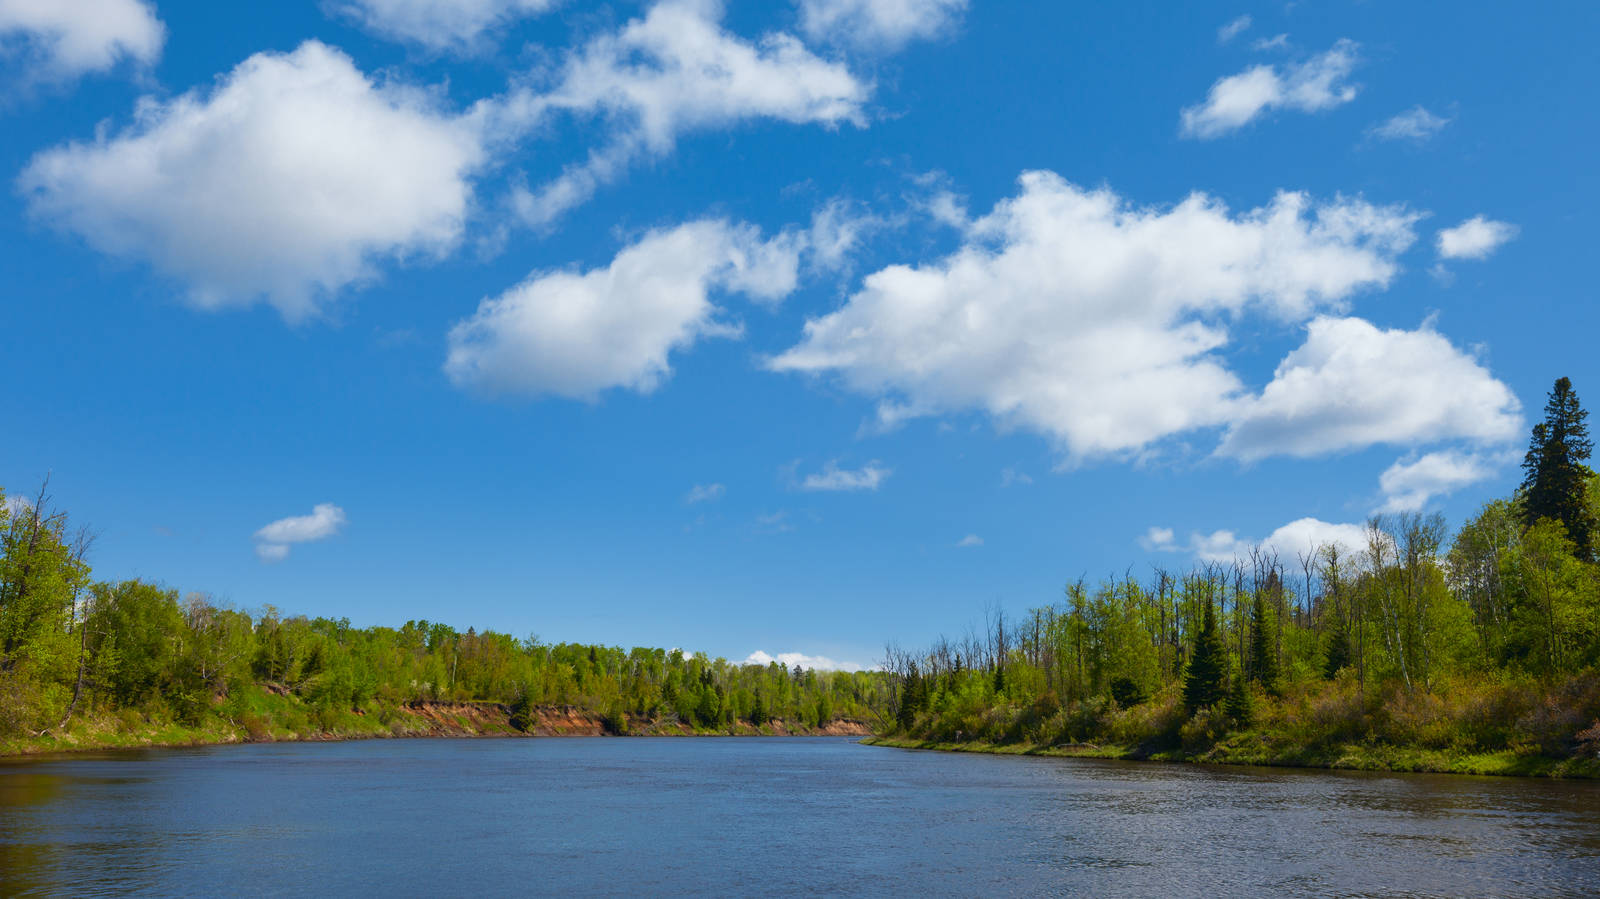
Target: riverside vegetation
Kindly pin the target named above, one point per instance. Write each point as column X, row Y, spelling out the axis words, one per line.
column 93, row 664
column 1480, row 656
column 1476, row 655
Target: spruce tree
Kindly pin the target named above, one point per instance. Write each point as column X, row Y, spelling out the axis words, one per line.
column 1238, row 705
column 1555, row 480
column 1263, row 660
column 1339, row 654
column 1203, row 683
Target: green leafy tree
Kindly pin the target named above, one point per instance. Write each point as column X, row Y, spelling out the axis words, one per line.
column 1204, row 682
column 1555, row 478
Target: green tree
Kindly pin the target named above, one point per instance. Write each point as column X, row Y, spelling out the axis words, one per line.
column 1555, row 478
column 1263, row 667
column 1204, row 682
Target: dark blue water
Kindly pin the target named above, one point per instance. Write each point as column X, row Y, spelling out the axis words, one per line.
column 744, row 816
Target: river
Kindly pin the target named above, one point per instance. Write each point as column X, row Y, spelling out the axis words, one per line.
column 730, row 816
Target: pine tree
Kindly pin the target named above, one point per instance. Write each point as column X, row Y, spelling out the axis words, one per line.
column 1555, row 480
column 1203, row 683
column 1263, row 659
column 1339, row 654
column 1238, row 705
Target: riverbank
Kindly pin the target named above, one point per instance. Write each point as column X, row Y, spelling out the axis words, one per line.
column 1256, row 750
column 282, row 720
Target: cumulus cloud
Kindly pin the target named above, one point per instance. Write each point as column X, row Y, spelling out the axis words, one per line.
column 274, row 540
column 1314, row 85
column 791, row 659
column 1069, row 312
column 1411, row 482
column 1475, row 238
column 970, row 540
column 575, row 334
column 878, row 24
column 704, row 493
column 285, row 182
column 1353, row 384
column 1415, row 124
column 1233, row 29
column 1298, row 537
column 671, row 72
column 439, row 24
column 61, row 39
column 834, row 478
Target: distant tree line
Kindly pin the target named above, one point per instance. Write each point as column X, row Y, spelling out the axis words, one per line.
column 1509, row 606
column 71, row 646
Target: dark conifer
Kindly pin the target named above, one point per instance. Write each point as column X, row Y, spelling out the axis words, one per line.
column 1206, row 678
column 1555, row 478
column 1263, row 658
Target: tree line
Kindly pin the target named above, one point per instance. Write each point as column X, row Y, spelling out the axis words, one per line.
column 1411, row 623
column 71, row 646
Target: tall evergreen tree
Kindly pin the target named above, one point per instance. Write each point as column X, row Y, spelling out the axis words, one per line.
column 1205, row 681
column 1555, row 478
column 1263, row 655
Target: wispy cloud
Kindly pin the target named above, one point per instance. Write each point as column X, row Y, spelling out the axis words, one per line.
column 274, row 540
column 1415, row 124
column 970, row 540
column 1318, row 83
column 834, row 478
column 704, row 493
column 1233, row 29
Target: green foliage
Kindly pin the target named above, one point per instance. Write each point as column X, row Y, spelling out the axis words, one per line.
column 1263, row 659
column 1555, row 478
column 1203, row 682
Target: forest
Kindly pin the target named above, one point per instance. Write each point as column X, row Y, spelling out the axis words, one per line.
column 96, row 662
column 1418, row 650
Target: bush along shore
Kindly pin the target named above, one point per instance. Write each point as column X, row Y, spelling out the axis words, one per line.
column 270, row 715
column 93, row 664
column 1393, row 646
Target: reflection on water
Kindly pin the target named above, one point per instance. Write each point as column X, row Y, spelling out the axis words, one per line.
column 805, row 816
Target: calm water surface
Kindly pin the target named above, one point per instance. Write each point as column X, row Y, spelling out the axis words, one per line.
column 745, row 816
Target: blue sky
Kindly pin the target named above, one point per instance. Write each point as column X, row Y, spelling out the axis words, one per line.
column 788, row 328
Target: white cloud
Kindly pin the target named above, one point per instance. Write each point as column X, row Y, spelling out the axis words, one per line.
column 273, row 540
column 834, row 478
column 1475, row 238
column 791, row 659
column 705, row 493
column 1299, row 536
column 1276, row 42
column 58, row 39
column 16, row 505
column 285, row 182
column 1233, row 29
column 1352, row 385
column 1411, row 482
column 1311, row 86
column 1415, row 124
column 672, row 72
column 1010, row 476
column 440, row 24
column 970, row 540
column 837, row 230
column 1070, row 313
column 878, row 24
column 575, row 334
